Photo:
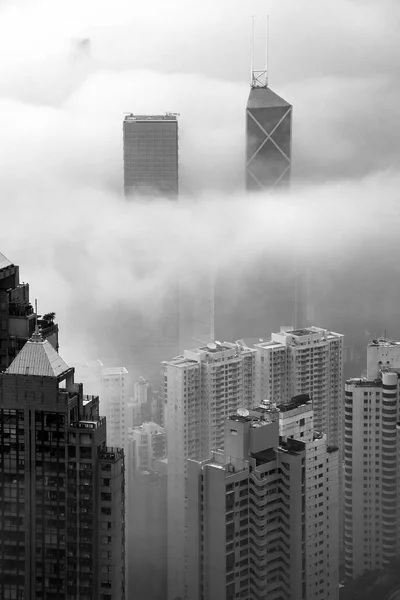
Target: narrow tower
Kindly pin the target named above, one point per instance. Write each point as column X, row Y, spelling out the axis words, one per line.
column 268, row 132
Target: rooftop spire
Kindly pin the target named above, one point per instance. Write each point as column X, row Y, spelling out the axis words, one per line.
column 259, row 77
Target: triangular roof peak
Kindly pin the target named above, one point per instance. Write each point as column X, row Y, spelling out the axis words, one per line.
column 38, row 357
column 4, row 262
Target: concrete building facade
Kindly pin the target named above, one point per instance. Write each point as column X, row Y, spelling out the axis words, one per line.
column 113, row 404
column 296, row 420
column 304, row 361
column 146, row 443
column 201, row 388
column 371, row 470
column 62, row 491
column 246, row 515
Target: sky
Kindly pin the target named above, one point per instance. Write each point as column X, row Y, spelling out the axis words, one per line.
column 82, row 248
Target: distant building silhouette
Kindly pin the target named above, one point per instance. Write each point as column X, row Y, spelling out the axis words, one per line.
column 151, row 155
column 62, row 492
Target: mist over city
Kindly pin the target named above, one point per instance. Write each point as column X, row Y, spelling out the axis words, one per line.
column 283, row 262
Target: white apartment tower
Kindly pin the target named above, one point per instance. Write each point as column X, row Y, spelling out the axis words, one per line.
column 372, row 466
column 304, row 361
column 201, row 388
column 321, row 497
column 113, row 404
column 246, row 515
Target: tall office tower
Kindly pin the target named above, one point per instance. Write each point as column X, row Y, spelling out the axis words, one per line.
column 62, row 489
column 151, row 155
column 304, row 361
column 321, row 498
column 151, row 163
column 17, row 316
column 201, row 388
column 372, row 471
column 113, row 404
column 246, row 513
column 146, row 443
column 268, row 138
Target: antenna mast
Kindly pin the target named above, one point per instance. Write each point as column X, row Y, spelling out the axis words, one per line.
column 259, row 77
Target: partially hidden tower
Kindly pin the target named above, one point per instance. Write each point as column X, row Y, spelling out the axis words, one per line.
column 268, row 134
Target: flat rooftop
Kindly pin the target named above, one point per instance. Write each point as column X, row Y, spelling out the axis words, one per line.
column 166, row 117
column 384, row 342
column 114, row 371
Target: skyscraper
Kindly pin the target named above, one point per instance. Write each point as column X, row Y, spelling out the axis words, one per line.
column 371, row 469
column 201, row 388
column 151, row 155
column 62, row 489
column 17, row 316
column 268, row 139
column 151, row 162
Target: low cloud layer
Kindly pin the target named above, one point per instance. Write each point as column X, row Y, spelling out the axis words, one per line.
column 84, row 249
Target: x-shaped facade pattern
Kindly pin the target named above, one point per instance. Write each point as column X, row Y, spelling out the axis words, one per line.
column 268, row 147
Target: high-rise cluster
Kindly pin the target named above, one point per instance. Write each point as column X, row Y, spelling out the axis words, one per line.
column 234, row 414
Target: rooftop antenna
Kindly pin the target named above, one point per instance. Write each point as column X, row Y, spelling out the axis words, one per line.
column 259, row 77
column 36, row 319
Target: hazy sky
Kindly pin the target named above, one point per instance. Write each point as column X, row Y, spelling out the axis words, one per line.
column 61, row 111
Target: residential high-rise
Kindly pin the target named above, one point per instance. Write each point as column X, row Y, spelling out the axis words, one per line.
column 146, row 443
column 371, row 469
column 151, row 155
column 17, row 315
column 201, row 388
column 62, row 489
column 113, row 403
column 146, row 405
column 296, row 420
column 257, row 526
column 304, row 361
column 246, row 509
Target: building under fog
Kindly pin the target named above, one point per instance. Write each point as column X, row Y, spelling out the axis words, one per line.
column 151, row 155
column 113, row 404
column 372, row 471
column 17, row 315
column 268, row 139
column 201, row 388
column 62, row 493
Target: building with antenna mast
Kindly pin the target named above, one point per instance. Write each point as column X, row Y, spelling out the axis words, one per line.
column 268, row 131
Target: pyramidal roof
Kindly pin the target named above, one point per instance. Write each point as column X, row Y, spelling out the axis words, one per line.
column 4, row 262
column 264, row 97
column 38, row 357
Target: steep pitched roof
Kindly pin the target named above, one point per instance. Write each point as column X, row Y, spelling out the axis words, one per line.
column 4, row 262
column 265, row 98
column 38, row 357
